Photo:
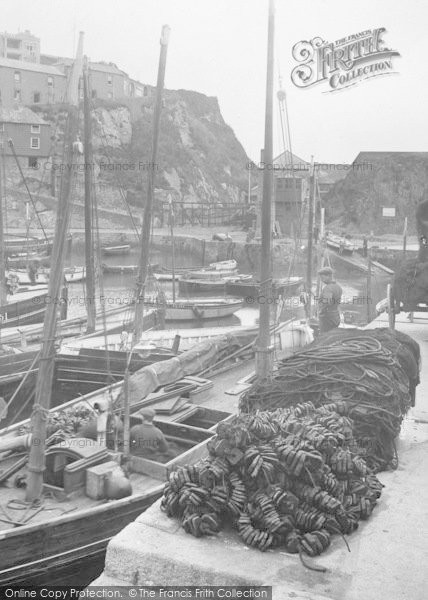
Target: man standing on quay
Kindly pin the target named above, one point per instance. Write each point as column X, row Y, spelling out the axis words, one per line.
column 329, row 301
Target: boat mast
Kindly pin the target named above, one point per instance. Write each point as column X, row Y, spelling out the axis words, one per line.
column 310, row 240
column 3, row 294
column 171, row 224
column 264, row 348
column 36, row 462
column 147, row 217
column 89, row 241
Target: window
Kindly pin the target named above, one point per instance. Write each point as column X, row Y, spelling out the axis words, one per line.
column 36, row 97
column 146, row 91
column 29, row 47
column 94, row 93
column 33, row 162
column 109, row 80
column 109, row 95
column 1, row 127
column 50, row 81
column 35, row 143
column 17, row 95
column 35, row 128
column 17, row 77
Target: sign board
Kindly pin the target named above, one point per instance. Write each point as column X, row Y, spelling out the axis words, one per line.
column 388, row 212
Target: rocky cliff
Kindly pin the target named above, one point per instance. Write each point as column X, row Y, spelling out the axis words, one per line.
column 379, row 180
column 199, row 156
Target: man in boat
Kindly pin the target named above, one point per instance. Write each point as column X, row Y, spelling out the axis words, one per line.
column 146, row 439
column 329, row 301
column 112, row 432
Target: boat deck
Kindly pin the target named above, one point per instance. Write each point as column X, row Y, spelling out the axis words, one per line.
column 55, row 504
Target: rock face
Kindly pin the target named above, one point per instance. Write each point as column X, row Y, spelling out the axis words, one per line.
column 199, row 156
column 111, row 127
column 380, row 180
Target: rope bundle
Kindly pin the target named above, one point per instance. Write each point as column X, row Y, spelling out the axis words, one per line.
column 281, row 479
column 373, row 374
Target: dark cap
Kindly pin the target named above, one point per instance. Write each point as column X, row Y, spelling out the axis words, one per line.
column 149, row 413
column 326, row 271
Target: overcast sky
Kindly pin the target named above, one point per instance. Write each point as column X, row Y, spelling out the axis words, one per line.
column 218, row 47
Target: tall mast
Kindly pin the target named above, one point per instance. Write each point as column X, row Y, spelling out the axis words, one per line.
column 264, row 348
column 171, row 225
column 3, row 295
column 36, row 462
column 89, row 241
column 147, row 217
column 310, row 240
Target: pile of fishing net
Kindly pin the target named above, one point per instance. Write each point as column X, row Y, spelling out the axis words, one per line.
column 374, row 372
column 284, row 479
column 63, row 424
column 410, row 285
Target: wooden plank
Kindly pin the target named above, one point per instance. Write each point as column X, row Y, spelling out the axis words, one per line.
column 382, row 267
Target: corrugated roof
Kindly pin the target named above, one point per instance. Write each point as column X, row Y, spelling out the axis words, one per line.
column 21, row 65
column 20, row 115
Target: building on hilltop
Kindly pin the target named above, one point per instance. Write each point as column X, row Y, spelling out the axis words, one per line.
column 27, row 83
column 28, row 77
column 20, row 46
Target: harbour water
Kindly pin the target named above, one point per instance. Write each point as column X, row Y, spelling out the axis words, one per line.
column 118, row 290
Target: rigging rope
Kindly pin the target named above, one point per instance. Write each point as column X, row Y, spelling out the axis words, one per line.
column 374, row 372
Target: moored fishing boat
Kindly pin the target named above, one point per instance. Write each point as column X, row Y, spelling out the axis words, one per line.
column 45, row 542
column 226, row 267
column 339, row 243
column 251, row 288
column 25, row 307
column 207, row 281
column 71, row 275
column 120, row 249
column 20, row 260
column 119, row 269
column 197, row 309
column 15, row 244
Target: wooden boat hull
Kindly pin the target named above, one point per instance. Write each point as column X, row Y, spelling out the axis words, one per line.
column 196, row 286
column 58, row 541
column 13, row 246
column 344, row 248
column 21, row 261
column 23, row 312
column 29, row 552
column 120, row 269
column 24, row 279
column 190, row 311
column 251, row 289
column 116, row 250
